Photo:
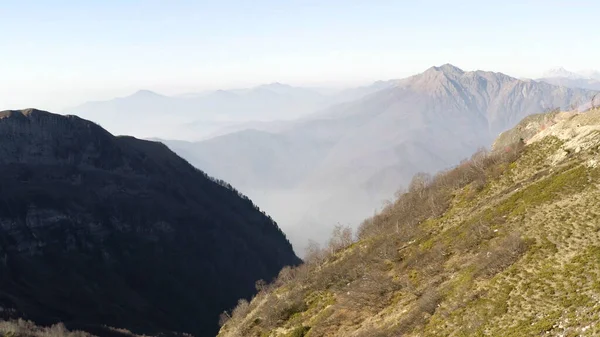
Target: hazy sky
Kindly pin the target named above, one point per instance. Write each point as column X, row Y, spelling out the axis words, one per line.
column 59, row 53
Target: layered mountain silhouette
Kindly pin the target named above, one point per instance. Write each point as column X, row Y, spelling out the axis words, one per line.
column 561, row 72
column 201, row 115
column 583, row 83
column 97, row 230
column 359, row 153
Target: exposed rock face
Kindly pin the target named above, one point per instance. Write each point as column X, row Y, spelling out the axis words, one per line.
column 526, row 129
column 99, row 230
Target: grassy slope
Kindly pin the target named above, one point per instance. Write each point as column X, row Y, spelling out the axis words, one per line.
column 515, row 255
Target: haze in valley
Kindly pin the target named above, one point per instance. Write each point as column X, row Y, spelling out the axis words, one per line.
column 319, row 112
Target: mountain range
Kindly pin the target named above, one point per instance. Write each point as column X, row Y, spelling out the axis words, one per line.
column 361, row 152
column 589, row 79
column 99, row 231
column 201, row 115
column 102, row 232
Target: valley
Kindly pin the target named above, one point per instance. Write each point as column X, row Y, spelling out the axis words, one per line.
column 299, row 169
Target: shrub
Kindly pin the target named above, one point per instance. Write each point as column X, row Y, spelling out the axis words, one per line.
column 23, row 328
column 429, row 196
column 241, row 310
column 502, row 253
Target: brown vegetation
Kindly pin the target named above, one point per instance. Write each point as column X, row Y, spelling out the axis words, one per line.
column 24, row 328
column 395, row 259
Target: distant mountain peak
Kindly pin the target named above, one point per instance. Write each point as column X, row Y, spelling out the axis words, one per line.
column 223, row 93
column 561, row 72
column 145, row 93
column 436, row 74
column 450, row 68
column 275, row 85
column 447, row 69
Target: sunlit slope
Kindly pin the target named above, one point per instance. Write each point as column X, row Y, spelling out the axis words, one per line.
column 505, row 244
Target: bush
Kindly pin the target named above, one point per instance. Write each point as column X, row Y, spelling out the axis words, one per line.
column 502, row 253
column 241, row 310
column 23, row 328
column 429, row 196
column 279, row 309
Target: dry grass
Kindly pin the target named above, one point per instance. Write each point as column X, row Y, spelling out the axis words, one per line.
column 503, row 245
column 18, row 328
column 24, row 328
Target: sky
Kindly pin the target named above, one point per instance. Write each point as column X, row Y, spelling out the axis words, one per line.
column 55, row 54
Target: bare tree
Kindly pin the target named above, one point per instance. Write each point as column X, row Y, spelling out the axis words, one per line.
column 286, row 275
column 314, row 253
column 478, row 161
column 341, row 237
column 260, row 285
column 224, row 318
column 419, row 183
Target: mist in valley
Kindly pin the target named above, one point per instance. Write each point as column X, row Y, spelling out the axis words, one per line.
column 299, row 168
column 314, row 160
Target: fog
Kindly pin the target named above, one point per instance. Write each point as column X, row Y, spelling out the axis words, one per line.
column 198, row 116
column 313, row 159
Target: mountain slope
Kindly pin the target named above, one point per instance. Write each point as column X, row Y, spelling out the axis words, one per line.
column 361, row 152
column 101, row 230
column 505, row 244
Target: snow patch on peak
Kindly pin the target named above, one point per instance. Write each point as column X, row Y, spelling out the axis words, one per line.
column 561, row 72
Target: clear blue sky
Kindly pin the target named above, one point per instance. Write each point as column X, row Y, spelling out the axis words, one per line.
column 59, row 53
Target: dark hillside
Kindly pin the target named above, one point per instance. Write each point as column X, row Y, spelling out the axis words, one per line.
column 100, row 230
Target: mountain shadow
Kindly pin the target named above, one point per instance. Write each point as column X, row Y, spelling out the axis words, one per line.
column 97, row 230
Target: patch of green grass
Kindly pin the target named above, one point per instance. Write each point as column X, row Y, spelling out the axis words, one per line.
column 544, row 191
column 319, row 299
column 461, row 283
column 531, row 326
